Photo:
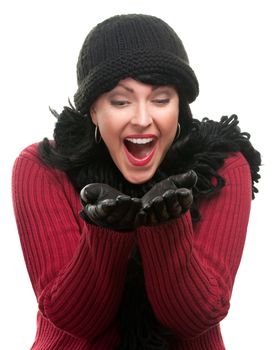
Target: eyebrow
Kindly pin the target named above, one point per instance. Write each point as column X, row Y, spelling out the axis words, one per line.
column 126, row 87
column 154, row 87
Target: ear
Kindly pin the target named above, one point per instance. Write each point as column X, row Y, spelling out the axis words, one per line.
column 92, row 113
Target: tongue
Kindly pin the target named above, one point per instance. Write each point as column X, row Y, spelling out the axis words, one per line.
column 139, row 151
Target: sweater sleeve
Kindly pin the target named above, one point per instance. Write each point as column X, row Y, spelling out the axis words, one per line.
column 190, row 270
column 77, row 270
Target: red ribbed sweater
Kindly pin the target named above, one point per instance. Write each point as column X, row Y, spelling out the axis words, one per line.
column 78, row 270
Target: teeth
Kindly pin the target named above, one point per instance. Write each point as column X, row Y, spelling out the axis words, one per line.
column 140, row 141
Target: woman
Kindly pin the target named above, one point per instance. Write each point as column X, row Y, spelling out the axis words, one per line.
column 133, row 219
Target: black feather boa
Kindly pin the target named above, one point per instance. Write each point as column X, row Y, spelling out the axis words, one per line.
column 203, row 150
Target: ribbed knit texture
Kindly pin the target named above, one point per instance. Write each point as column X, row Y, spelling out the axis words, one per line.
column 78, row 271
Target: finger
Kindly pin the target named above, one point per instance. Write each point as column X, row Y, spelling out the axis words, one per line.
column 187, row 180
column 159, row 209
column 150, row 214
column 185, row 197
column 122, row 204
column 173, row 206
column 100, row 213
column 110, row 205
column 123, row 198
column 107, row 206
column 147, row 206
column 95, row 213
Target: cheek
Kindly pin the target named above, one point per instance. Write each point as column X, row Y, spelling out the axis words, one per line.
column 106, row 122
column 109, row 134
column 169, row 124
column 110, row 130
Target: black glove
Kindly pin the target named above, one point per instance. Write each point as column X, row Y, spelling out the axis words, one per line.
column 168, row 199
column 108, row 207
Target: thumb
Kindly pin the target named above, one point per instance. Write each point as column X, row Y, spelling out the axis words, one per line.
column 90, row 193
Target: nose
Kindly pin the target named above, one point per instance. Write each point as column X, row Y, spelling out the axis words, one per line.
column 142, row 116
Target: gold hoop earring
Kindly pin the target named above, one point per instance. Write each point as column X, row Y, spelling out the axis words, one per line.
column 178, row 131
column 97, row 135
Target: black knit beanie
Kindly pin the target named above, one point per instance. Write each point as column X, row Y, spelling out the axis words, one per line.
column 126, row 46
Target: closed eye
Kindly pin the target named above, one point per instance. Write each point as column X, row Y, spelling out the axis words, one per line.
column 119, row 102
column 161, row 100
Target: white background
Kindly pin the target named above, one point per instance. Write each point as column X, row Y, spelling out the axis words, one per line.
column 230, row 46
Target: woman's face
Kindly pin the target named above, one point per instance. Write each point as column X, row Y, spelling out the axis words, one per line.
column 138, row 123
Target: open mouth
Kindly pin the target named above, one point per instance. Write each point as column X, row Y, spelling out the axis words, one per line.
column 140, row 148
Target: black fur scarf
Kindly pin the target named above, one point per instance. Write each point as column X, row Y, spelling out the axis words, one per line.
column 203, row 150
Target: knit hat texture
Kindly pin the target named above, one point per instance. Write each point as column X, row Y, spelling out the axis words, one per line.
column 126, row 46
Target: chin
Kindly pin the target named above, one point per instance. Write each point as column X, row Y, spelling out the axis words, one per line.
column 138, row 179
column 137, row 182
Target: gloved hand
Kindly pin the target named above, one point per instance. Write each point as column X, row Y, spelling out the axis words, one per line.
column 108, row 207
column 168, row 199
